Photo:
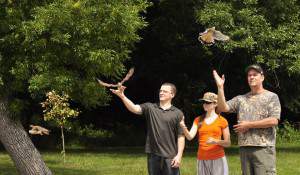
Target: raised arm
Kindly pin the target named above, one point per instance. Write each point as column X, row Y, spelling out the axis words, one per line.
column 222, row 105
column 189, row 134
column 134, row 108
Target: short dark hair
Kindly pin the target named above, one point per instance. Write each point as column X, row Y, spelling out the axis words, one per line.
column 255, row 67
column 173, row 87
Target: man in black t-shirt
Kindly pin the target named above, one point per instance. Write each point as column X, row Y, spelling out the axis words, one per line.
column 165, row 139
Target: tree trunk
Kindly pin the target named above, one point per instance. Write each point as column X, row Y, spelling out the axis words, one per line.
column 63, row 143
column 19, row 146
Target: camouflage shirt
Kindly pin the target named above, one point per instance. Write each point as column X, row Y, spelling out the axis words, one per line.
column 255, row 107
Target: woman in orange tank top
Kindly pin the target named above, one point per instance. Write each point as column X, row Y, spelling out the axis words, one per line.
column 213, row 136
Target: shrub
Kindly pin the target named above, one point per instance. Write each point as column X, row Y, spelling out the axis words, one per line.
column 288, row 134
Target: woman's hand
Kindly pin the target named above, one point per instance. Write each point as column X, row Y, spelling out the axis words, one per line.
column 212, row 140
column 182, row 124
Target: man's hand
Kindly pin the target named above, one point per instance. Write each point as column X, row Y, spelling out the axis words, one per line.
column 241, row 127
column 176, row 161
column 119, row 92
column 219, row 80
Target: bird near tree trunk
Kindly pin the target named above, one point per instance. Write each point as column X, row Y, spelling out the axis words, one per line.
column 17, row 143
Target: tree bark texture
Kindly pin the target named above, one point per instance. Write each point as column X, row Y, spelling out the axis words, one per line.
column 19, row 146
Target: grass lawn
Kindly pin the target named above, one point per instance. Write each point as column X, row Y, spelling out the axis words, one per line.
column 132, row 161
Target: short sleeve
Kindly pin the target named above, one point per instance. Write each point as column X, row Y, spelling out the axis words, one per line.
column 180, row 130
column 224, row 123
column 274, row 107
column 145, row 108
column 233, row 104
column 196, row 121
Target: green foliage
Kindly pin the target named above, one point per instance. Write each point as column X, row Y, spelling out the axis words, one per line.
column 265, row 32
column 90, row 132
column 265, row 37
column 57, row 108
column 17, row 106
column 288, row 134
column 216, row 14
column 66, row 45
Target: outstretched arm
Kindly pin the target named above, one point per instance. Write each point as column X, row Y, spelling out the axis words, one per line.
column 222, row 105
column 134, row 108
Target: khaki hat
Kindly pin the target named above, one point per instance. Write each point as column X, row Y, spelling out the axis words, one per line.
column 255, row 67
column 209, row 97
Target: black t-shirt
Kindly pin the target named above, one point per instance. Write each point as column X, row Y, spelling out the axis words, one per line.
column 163, row 129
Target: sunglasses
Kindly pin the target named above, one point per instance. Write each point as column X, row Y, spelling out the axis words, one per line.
column 207, row 102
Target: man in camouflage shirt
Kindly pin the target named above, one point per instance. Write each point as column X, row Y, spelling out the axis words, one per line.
column 258, row 113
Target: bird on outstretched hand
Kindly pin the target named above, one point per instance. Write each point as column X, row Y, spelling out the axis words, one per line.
column 119, row 84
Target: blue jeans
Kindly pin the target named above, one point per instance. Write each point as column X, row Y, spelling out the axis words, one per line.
column 158, row 165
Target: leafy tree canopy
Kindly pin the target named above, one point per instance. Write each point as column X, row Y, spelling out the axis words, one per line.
column 65, row 45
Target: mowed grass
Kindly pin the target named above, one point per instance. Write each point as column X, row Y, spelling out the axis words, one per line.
column 132, row 161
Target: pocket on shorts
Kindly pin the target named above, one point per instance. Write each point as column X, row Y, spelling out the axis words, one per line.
column 270, row 150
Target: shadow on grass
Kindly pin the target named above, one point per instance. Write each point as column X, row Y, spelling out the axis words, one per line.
column 140, row 150
column 234, row 150
column 133, row 151
column 291, row 149
column 66, row 171
column 106, row 150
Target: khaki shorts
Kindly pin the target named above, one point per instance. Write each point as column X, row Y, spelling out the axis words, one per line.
column 257, row 160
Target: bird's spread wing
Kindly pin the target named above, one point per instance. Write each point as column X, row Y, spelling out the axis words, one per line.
column 38, row 130
column 220, row 36
column 128, row 75
column 209, row 36
column 102, row 83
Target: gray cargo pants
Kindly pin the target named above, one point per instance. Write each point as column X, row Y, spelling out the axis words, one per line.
column 256, row 160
